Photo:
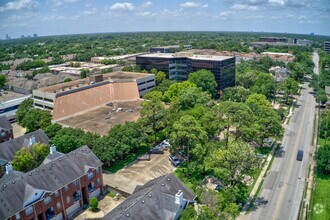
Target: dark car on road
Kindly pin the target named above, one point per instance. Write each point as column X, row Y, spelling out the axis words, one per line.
column 174, row 160
column 300, row 155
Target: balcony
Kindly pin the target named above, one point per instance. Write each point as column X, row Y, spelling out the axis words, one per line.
column 77, row 195
column 50, row 213
column 91, row 187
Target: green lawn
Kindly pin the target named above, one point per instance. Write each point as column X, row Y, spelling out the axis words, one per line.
column 320, row 202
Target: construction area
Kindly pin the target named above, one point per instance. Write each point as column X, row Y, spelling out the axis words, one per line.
column 102, row 118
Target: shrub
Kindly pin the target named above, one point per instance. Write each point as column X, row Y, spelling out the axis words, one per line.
column 94, row 203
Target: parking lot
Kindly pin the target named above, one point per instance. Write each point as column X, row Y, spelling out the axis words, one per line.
column 139, row 172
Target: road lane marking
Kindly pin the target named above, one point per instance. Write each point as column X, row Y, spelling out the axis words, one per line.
column 279, row 201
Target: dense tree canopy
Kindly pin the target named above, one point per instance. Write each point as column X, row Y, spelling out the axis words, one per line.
column 205, row 80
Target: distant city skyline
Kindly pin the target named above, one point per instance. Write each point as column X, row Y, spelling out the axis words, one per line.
column 62, row 17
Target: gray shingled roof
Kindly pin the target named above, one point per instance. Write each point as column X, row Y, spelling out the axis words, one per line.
column 4, row 123
column 9, row 148
column 48, row 177
column 154, row 200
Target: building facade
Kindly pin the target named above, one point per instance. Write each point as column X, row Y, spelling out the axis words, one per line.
column 57, row 189
column 69, row 98
column 9, row 107
column 6, row 130
column 327, row 47
column 179, row 65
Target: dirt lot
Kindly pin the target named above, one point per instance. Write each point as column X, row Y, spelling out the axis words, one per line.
column 139, row 173
column 100, row 120
column 18, row 130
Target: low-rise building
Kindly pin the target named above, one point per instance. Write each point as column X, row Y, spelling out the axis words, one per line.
column 72, row 97
column 162, row 198
column 57, row 189
column 6, row 130
column 9, row 103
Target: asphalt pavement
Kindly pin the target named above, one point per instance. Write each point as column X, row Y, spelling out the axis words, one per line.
column 283, row 187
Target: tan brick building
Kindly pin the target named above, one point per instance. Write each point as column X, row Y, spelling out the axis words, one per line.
column 72, row 97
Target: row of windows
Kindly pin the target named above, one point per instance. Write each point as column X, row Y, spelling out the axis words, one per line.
column 12, row 108
column 149, row 81
column 43, row 99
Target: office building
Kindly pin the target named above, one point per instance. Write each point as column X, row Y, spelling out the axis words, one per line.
column 327, row 47
column 169, row 49
column 274, row 39
column 9, row 104
column 179, row 65
column 57, row 189
column 69, row 98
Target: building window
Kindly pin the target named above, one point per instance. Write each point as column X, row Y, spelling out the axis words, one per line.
column 98, row 181
column 66, row 188
column 18, row 216
column 97, row 170
column 50, row 213
column 91, row 187
column 67, row 199
column 75, row 183
column 90, row 175
column 56, row 194
column 47, row 200
column 29, row 211
column 76, row 195
column 58, row 205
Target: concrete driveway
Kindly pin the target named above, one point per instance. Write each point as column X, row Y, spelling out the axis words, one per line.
column 139, row 172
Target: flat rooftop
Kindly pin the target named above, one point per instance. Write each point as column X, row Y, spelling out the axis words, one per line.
column 101, row 119
column 194, row 57
column 84, row 82
column 10, row 95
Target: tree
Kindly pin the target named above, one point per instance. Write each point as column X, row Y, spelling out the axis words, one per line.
column 160, row 77
column 153, row 109
column 290, row 87
column 265, row 85
column 321, row 97
column 35, row 119
column 238, row 159
column 323, row 158
column 267, row 122
column 28, row 158
column 67, row 80
column 84, row 73
column 52, row 130
column 2, row 80
column 164, row 86
column 189, row 98
column 66, row 143
column 185, row 134
column 205, row 80
column 235, row 94
column 23, row 108
column 175, row 89
column 94, row 203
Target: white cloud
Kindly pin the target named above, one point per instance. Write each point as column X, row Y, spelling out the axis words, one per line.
column 146, row 13
column 124, row 6
column 147, row 4
column 193, row 5
column 19, row 5
column 240, row 7
column 173, row 13
column 58, row 3
column 90, row 11
column 277, row 2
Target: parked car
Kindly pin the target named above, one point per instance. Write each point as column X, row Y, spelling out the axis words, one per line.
column 174, row 160
column 261, row 156
column 281, row 152
column 156, row 150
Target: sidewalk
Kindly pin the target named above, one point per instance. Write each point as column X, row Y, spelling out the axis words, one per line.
column 310, row 179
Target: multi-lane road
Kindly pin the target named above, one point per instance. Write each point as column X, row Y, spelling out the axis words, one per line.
column 283, row 187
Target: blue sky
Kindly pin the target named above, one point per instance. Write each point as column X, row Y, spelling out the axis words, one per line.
column 55, row 17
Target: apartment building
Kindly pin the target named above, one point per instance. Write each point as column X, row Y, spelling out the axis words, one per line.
column 6, row 130
column 179, row 65
column 72, row 97
column 57, row 189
